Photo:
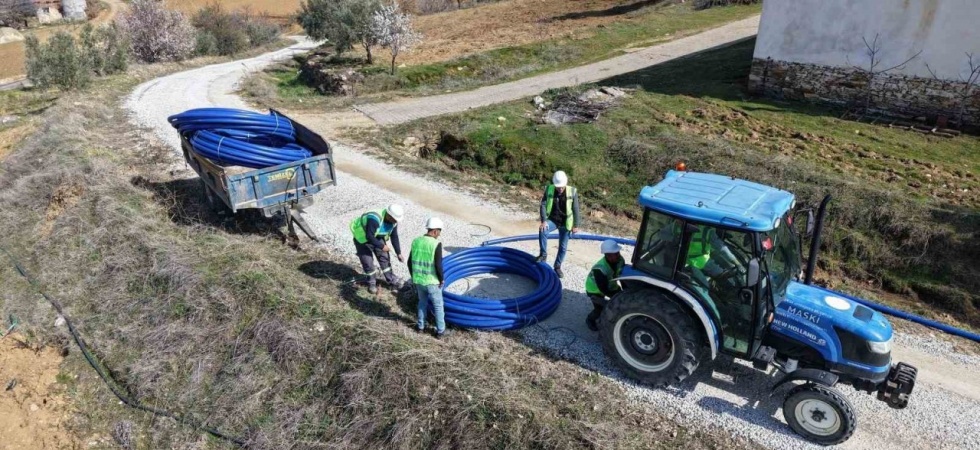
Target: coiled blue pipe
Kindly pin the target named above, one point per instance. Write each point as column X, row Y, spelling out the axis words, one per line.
column 499, row 314
column 880, row 308
column 241, row 138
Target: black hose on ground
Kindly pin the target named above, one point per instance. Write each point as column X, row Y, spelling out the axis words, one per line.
column 106, row 378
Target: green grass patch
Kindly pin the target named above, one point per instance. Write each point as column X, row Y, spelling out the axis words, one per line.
column 905, row 203
column 642, row 28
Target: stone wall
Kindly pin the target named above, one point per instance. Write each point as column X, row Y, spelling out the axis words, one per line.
column 902, row 96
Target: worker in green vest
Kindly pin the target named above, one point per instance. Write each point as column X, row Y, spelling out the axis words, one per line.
column 709, row 254
column 559, row 210
column 372, row 231
column 425, row 265
column 601, row 284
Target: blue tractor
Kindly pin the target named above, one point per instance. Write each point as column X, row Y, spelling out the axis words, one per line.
column 717, row 270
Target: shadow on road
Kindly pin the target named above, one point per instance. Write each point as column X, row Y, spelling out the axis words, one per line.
column 719, row 73
column 614, row 11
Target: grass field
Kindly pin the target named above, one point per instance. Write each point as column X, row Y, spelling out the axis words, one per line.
column 906, row 214
column 591, row 35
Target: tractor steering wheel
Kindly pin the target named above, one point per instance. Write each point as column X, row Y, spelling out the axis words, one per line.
column 724, row 275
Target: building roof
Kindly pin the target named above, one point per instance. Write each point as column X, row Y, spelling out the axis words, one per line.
column 718, row 200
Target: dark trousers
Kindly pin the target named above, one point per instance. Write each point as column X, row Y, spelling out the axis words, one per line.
column 598, row 304
column 367, row 253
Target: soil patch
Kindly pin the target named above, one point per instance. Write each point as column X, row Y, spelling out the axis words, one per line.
column 34, row 410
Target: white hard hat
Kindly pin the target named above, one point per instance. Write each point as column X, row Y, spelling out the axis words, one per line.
column 610, row 246
column 396, row 212
column 434, row 223
column 560, row 179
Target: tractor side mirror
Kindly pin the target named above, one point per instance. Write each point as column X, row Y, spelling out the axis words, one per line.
column 753, row 275
column 811, row 223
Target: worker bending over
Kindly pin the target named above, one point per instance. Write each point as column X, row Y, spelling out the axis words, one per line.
column 559, row 210
column 425, row 265
column 601, row 284
column 372, row 231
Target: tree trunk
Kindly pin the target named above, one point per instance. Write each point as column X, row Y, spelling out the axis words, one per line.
column 393, row 56
column 370, row 58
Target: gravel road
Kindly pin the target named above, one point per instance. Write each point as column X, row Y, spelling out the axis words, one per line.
column 942, row 414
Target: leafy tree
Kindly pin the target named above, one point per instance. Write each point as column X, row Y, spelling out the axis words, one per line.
column 345, row 23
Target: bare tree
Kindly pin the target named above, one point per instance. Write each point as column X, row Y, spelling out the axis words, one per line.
column 969, row 83
column 393, row 30
column 873, row 50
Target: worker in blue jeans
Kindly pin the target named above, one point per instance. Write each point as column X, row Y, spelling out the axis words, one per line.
column 559, row 210
column 425, row 266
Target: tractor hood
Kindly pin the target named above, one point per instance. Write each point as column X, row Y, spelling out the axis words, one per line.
column 836, row 325
column 825, row 307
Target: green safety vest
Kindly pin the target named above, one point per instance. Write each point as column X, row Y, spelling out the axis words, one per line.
column 611, row 274
column 358, row 226
column 423, row 261
column 549, row 193
column 699, row 251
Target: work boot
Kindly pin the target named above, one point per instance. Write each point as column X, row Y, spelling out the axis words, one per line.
column 397, row 284
column 558, row 271
column 590, row 322
column 541, row 258
column 442, row 335
column 373, row 288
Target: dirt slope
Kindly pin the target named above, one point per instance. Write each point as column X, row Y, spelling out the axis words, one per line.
column 34, row 413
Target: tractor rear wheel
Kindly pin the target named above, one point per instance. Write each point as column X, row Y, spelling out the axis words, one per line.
column 651, row 337
column 820, row 414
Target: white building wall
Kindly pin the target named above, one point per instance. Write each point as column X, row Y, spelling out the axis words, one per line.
column 830, row 32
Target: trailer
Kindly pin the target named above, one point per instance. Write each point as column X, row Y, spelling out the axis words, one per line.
column 279, row 191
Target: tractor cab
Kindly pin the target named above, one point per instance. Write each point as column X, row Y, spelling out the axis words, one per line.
column 716, row 269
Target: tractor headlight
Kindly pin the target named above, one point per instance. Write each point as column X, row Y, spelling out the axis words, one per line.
column 881, row 347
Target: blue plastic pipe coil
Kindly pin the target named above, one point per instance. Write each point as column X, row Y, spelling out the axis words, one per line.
column 880, row 308
column 241, row 138
column 499, row 314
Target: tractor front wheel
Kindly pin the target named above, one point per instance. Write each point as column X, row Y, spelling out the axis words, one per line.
column 820, row 414
column 650, row 337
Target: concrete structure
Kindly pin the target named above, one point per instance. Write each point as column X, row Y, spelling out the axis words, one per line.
column 73, row 9
column 822, row 50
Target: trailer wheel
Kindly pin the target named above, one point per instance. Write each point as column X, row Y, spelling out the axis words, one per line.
column 820, row 414
column 650, row 337
column 214, row 203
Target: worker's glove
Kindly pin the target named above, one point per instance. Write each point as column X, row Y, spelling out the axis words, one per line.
column 401, row 258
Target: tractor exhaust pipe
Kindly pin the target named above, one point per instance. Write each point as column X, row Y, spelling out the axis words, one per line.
column 811, row 263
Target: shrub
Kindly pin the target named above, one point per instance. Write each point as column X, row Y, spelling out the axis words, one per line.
column 228, row 30
column 225, row 33
column 59, row 62
column 205, row 44
column 261, row 31
column 105, row 48
column 156, row 33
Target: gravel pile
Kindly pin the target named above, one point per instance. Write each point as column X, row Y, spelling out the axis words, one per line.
column 735, row 397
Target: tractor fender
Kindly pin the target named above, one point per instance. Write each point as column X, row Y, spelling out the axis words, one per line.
column 815, row 376
column 710, row 331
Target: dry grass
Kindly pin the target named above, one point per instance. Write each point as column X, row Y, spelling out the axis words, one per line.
column 12, row 55
column 223, row 322
column 509, row 23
